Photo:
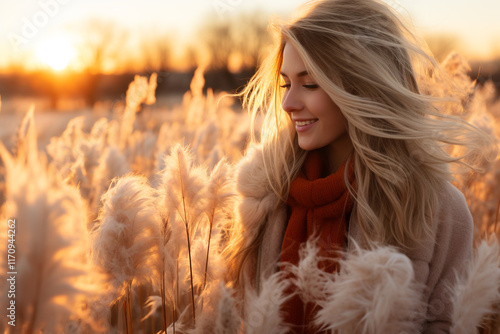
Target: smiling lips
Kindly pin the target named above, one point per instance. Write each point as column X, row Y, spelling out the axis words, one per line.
column 301, row 126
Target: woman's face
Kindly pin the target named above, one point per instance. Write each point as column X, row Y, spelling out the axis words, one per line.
column 317, row 119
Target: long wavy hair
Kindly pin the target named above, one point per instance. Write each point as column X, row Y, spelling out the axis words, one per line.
column 367, row 61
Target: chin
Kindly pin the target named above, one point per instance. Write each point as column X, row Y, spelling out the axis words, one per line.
column 308, row 147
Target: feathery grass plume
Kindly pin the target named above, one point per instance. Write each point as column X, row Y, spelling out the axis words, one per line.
column 153, row 83
column 217, row 309
column 112, row 163
column 220, row 196
column 99, row 131
column 206, row 310
column 139, row 91
column 173, row 330
column 450, row 80
column 113, row 133
column 126, row 239
column 263, row 311
column 481, row 189
column 170, row 133
column 228, row 320
column 205, row 139
column 204, row 275
column 199, row 255
column 457, row 67
column 197, row 111
column 26, row 140
column 181, row 191
column 373, row 293
column 172, row 233
column 475, row 295
column 141, row 152
column 154, row 303
column 309, row 278
column 195, row 98
column 64, row 150
column 76, row 155
column 49, row 240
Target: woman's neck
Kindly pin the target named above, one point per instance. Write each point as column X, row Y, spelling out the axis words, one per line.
column 336, row 154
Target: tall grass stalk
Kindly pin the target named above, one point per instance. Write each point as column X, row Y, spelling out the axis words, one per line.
column 182, row 189
column 188, row 238
column 219, row 194
column 50, row 238
column 125, row 242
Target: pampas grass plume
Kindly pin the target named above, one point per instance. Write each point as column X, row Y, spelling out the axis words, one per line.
column 217, row 310
column 182, row 188
column 154, row 303
column 27, row 148
column 263, row 311
column 475, row 294
column 112, row 163
column 228, row 320
column 50, row 240
column 307, row 276
column 373, row 293
column 126, row 237
column 139, row 91
column 219, row 201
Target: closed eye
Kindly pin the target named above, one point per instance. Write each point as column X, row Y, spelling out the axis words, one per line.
column 286, row 86
column 311, row 86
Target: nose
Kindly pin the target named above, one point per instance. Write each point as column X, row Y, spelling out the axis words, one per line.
column 291, row 102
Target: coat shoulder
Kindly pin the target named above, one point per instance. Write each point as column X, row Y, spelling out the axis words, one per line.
column 256, row 199
column 453, row 219
column 251, row 178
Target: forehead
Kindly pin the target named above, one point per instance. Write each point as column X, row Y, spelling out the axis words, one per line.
column 292, row 62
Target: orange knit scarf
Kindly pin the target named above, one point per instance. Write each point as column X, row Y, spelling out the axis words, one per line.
column 320, row 207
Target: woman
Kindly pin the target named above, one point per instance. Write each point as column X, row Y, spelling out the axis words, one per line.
column 352, row 150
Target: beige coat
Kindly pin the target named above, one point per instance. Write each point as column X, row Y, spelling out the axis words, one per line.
column 435, row 264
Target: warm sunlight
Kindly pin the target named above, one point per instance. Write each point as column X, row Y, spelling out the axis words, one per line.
column 56, row 52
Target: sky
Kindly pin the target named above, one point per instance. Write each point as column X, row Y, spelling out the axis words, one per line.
column 24, row 23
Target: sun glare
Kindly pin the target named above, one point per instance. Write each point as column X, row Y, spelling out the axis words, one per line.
column 56, row 52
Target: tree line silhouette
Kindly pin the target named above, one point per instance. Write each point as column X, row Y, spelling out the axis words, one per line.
column 230, row 48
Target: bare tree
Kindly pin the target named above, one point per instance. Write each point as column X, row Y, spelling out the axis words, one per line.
column 157, row 53
column 252, row 38
column 218, row 39
column 100, row 45
column 233, row 43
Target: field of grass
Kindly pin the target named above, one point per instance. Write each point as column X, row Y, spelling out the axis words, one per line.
column 120, row 215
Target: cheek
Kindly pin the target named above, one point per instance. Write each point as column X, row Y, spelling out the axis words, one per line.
column 324, row 107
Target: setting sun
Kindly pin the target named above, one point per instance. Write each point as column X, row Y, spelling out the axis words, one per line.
column 56, row 52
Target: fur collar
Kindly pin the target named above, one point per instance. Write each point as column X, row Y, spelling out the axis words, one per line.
column 256, row 198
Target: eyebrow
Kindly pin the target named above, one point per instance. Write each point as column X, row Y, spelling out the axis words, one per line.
column 300, row 74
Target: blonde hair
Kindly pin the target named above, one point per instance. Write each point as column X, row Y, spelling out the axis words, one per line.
column 367, row 61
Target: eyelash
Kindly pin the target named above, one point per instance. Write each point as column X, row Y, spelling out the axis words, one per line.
column 287, row 86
